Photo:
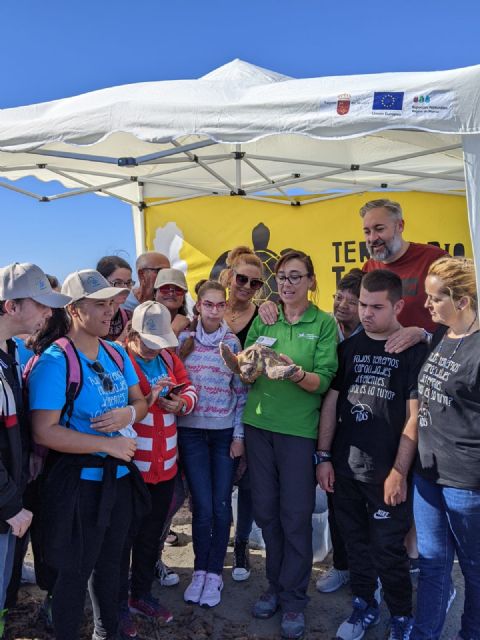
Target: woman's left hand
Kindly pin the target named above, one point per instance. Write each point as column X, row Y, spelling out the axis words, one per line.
column 112, row 420
column 172, row 404
column 237, row 448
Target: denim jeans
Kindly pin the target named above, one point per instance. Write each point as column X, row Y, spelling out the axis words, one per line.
column 7, row 552
column 448, row 521
column 205, row 455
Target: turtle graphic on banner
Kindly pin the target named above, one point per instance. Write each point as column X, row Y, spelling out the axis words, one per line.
column 260, row 240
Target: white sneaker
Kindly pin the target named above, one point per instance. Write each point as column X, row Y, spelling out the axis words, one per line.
column 332, row 580
column 212, row 591
column 28, row 573
column 165, row 576
column 194, row 590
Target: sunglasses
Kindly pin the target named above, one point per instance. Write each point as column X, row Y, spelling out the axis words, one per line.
column 171, row 289
column 242, row 280
column 122, row 284
column 210, row 306
column 107, row 382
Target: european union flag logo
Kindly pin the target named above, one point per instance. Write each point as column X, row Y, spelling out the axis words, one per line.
column 388, row 100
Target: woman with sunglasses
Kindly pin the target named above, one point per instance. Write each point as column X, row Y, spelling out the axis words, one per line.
column 170, row 290
column 243, row 279
column 281, row 425
column 91, row 490
column 119, row 275
column 210, row 439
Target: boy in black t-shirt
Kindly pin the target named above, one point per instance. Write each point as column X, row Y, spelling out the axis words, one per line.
column 367, row 442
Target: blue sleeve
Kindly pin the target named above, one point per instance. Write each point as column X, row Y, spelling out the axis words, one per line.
column 47, row 382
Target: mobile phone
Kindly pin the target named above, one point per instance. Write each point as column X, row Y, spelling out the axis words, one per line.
column 176, row 389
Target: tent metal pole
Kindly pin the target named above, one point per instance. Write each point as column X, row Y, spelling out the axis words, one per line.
column 138, row 219
column 172, row 152
column 88, row 184
column 159, row 203
column 171, row 183
column 265, row 177
column 238, row 167
column 24, row 192
column 79, row 192
column 210, row 171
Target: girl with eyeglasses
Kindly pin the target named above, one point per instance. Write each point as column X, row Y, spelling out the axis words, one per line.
column 119, row 275
column 170, row 290
column 281, row 427
column 243, row 279
column 210, row 439
column 91, row 490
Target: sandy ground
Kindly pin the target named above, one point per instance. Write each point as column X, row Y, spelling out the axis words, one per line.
column 231, row 620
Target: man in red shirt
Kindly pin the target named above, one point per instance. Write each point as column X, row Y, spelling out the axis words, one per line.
column 383, row 227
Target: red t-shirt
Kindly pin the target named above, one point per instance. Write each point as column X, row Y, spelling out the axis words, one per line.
column 412, row 268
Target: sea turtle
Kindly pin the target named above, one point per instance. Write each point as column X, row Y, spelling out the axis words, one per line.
column 257, row 360
column 260, row 240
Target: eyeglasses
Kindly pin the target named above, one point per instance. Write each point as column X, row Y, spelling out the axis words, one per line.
column 293, row 278
column 242, row 280
column 107, row 382
column 339, row 299
column 210, row 306
column 171, row 289
column 122, row 284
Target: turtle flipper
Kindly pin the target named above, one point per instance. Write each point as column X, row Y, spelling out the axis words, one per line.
column 229, row 358
column 276, row 371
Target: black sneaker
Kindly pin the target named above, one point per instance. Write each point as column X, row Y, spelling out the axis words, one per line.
column 241, row 562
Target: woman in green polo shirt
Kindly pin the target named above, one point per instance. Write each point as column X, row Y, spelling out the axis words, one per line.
column 281, row 423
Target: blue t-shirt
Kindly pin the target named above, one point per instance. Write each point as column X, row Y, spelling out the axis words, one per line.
column 154, row 370
column 47, row 391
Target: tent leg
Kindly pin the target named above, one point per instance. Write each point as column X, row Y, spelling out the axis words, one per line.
column 471, row 159
column 138, row 217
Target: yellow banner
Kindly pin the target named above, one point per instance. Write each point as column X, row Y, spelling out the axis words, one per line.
column 197, row 234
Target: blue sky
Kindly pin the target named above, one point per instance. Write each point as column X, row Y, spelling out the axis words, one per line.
column 54, row 49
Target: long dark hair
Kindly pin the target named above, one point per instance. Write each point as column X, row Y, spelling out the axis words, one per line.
column 108, row 264
column 57, row 326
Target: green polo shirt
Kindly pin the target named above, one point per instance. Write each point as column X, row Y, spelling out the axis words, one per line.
column 281, row 405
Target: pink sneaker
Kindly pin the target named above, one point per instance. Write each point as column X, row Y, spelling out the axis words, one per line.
column 212, row 591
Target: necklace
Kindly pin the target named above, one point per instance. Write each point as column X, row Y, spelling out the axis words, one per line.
column 424, row 419
column 235, row 315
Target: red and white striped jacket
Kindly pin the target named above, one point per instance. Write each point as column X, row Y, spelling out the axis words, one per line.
column 156, row 453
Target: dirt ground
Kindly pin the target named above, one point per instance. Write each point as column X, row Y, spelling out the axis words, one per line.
column 231, row 620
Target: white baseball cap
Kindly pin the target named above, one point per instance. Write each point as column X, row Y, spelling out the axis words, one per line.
column 89, row 283
column 153, row 322
column 26, row 280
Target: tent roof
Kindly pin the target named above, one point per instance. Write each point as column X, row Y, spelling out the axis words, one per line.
column 249, row 131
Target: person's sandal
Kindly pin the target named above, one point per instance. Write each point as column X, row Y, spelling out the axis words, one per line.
column 172, row 539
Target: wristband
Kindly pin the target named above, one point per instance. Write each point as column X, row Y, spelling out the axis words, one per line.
column 321, row 456
column 133, row 415
column 302, row 378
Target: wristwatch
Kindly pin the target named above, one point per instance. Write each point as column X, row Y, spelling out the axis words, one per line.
column 321, row 456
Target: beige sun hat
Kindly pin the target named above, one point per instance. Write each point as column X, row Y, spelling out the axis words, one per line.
column 171, row 276
column 90, row 284
column 152, row 321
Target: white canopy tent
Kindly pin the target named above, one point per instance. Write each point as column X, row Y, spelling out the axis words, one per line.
column 252, row 133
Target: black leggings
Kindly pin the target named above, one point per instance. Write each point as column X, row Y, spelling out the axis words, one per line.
column 143, row 544
column 100, row 568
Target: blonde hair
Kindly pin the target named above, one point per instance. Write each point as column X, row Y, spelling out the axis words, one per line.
column 201, row 289
column 236, row 256
column 458, row 278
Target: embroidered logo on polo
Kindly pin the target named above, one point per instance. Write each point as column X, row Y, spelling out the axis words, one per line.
column 308, row 336
column 381, row 515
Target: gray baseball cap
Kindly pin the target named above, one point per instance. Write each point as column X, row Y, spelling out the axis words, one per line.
column 26, row 280
column 89, row 283
column 153, row 322
column 171, row 276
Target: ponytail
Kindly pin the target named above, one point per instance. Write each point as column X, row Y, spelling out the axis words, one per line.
column 57, row 326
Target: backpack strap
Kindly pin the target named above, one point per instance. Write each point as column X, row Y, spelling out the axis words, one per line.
column 124, row 316
column 28, row 368
column 114, row 354
column 167, row 358
column 74, row 377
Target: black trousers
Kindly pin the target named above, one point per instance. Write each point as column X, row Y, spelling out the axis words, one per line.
column 142, row 543
column 340, row 558
column 374, row 535
column 282, row 478
column 100, row 570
